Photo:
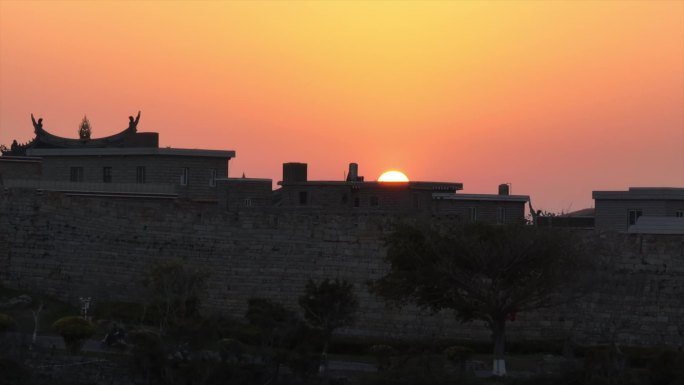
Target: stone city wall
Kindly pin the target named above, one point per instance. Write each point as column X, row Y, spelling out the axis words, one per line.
column 71, row 247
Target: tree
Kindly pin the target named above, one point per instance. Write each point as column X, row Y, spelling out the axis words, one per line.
column 484, row 272
column 75, row 331
column 328, row 306
column 284, row 335
column 175, row 292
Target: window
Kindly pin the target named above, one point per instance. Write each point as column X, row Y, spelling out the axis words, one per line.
column 374, row 201
column 303, row 197
column 473, row 214
column 184, row 176
column 357, row 202
column 212, row 177
column 345, row 198
column 106, row 174
column 679, row 213
column 140, row 174
column 76, row 174
column 634, row 215
column 500, row 215
column 248, row 202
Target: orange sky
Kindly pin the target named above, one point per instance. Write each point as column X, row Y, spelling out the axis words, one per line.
column 557, row 98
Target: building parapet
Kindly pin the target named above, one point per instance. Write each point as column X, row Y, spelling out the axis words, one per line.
column 642, row 193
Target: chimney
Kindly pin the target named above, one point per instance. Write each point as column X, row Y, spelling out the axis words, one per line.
column 504, row 189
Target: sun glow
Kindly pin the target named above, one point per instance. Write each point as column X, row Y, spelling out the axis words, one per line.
column 393, row 176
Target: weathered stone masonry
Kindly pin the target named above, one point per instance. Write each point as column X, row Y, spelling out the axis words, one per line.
column 76, row 246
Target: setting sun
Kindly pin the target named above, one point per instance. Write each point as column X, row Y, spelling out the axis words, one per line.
column 393, row 176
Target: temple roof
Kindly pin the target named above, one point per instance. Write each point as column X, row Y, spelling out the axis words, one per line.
column 129, row 137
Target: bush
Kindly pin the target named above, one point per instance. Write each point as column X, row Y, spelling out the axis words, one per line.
column 145, row 340
column 420, row 370
column 7, row 323
column 147, row 351
column 458, row 355
column 231, row 350
column 123, row 311
column 569, row 374
column 383, row 355
column 13, row 372
column 75, row 331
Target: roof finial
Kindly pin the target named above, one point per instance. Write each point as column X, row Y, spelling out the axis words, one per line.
column 37, row 126
column 84, row 129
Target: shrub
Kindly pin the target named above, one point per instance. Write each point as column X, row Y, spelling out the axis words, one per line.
column 122, row 311
column 231, row 350
column 75, row 331
column 147, row 352
column 458, row 355
column 6, row 323
column 13, row 372
column 383, row 354
column 420, row 370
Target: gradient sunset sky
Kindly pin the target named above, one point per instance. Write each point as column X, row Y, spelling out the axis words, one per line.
column 557, row 98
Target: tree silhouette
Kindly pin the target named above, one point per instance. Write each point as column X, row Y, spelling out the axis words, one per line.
column 328, row 306
column 484, row 272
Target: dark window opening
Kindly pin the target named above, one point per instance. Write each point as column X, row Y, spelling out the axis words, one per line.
column 303, row 197
column 345, row 198
column 374, row 201
column 500, row 215
column 679, row 213
column 212, row 178
column 106, row 174
column 634, row 216
column 76, row 174
column 184, row 176
column 357, row 202
column 140, row 174
column 473, row 214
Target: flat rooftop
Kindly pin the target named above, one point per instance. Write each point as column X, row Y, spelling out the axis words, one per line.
column 482, row 197
column 642, row 193
column 420, row 185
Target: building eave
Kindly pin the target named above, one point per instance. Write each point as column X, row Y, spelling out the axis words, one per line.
column 129, row 151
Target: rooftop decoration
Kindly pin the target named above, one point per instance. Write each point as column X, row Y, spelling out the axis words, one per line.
column 129, row 137
column 84, row 129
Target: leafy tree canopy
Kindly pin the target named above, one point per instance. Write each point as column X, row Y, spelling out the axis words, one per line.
column 329, row 305
column 482, row 271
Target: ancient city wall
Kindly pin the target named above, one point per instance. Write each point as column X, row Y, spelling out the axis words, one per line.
column 77, row 246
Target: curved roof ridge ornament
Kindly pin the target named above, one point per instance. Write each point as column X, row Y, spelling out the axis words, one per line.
column 37, row 126
column 133, row 123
